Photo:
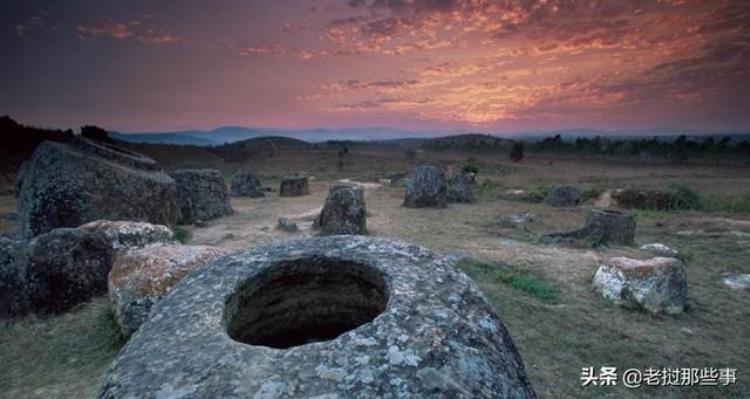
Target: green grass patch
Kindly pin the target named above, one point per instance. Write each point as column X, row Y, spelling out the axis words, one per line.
column 685, row 255
column 593, row 192
column 488, row 187
column 60, row 356
column 521, row 280
column 182, row 234
column 470, row 165
column 739, row 204
column 539, row 192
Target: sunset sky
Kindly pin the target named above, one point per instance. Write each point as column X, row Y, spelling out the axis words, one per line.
column 489, row 66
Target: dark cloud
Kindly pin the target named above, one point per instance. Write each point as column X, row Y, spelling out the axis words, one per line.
column 357, row 3
column 734, row 17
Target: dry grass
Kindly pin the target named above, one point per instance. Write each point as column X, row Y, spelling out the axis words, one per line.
column 63, row 356
column 556, row 336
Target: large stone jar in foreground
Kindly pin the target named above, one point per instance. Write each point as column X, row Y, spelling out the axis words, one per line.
column 338, row 316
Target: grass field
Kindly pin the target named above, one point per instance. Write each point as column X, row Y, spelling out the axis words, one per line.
column 542, row 292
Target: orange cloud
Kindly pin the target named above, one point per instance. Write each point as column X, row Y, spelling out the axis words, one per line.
column 135, row 30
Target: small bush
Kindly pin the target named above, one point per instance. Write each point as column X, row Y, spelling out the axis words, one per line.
column 470, row 166
column 539, row 192
column 516, row 152
column 182, row 234
column 685, row 255
column 488, row 187
column 592, row 193
column 95, row 133
column 683, row 197
column 678, row 196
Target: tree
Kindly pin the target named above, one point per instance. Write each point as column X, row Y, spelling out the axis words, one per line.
column 516, row 152
column 95, row 133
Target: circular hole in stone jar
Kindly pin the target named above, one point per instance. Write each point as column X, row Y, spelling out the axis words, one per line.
column 306, row 300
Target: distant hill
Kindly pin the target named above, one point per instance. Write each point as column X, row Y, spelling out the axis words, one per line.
column 233, row 134
column 269, row 142
column 471, row 138
column 400, row 137
column 163, row 138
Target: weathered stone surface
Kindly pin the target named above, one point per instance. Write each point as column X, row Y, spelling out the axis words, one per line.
column 202, row 194
column 293, row 186
column 426, row 188
column 246, row 183
column 737, row 281
column 340, row 316
column 20, row 175
column 344, row 211
column 458, row 257
column 69, row 185
column 658, row 285
column 602, row 227
column 563, row 196
column 66, row 267
column 14, row 295
column 141, row 277
column 124, row 234
column 619, row 227
column 114, row 153
column 461, row 187
column 659, row 250
column 287, row 225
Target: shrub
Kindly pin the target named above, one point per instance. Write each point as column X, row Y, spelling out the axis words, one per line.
column 592, row 193
column 677, row 197
column 95, row 133
column 182, row 235
column 539, row 192
column 470, row 166
column 516, row 152
column 683, row 197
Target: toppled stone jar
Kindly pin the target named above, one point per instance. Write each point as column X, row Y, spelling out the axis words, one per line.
column 67, row 185
column 657, row 285
column 141, row 276
column 338, row 316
